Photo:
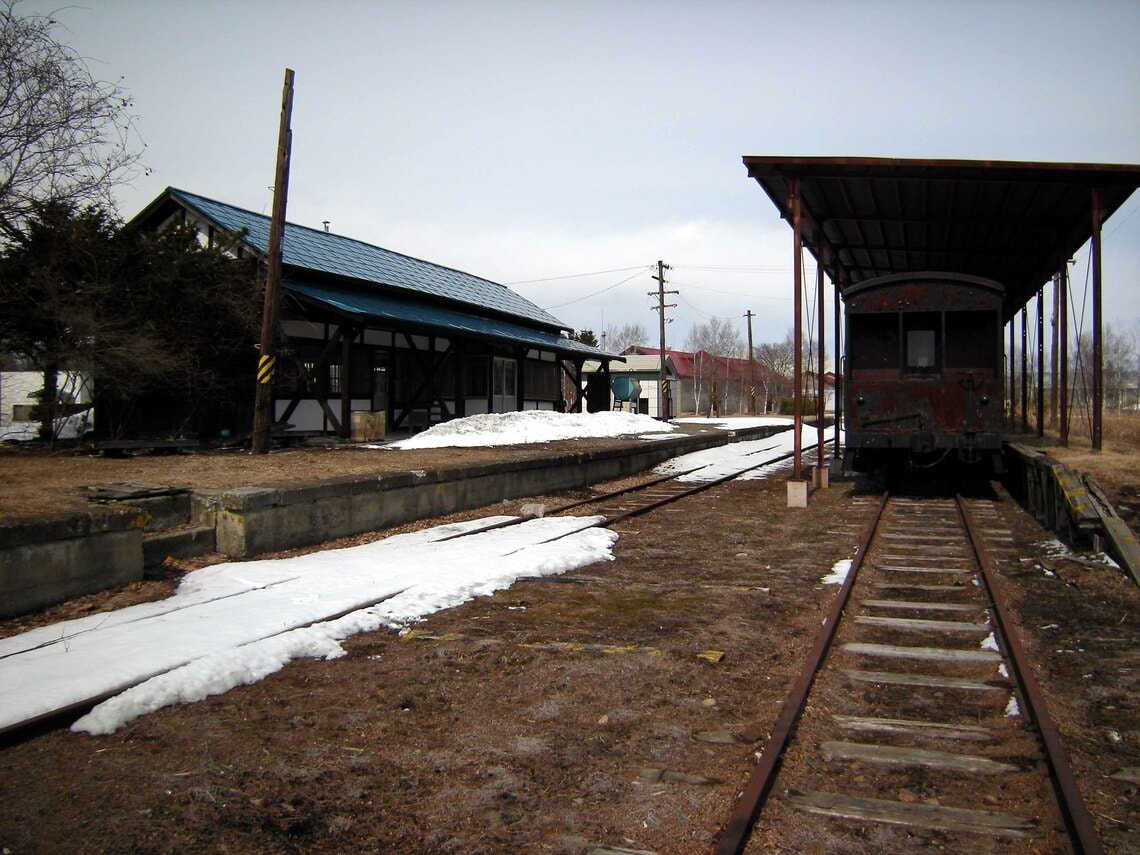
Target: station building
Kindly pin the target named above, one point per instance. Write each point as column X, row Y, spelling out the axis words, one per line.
column 368, row 330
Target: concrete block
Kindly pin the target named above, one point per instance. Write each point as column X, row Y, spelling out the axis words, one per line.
column 52, row 559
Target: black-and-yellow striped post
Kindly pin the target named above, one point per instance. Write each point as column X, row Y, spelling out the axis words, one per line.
column 265, row 367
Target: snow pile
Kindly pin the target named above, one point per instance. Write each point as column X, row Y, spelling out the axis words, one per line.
column 532, row 426
column 235, row 623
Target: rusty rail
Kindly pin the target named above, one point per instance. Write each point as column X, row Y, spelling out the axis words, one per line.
column 755, row 794
column 1078, row 821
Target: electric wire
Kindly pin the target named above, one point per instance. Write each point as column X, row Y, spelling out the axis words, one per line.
column 640, row 270
column 578, row 275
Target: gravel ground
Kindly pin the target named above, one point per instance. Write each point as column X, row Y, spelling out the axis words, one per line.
column 622, row 706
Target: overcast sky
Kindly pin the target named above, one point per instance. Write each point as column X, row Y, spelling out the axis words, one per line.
column 530, row 140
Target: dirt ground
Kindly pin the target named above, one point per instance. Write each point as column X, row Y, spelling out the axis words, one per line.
column 621, row 706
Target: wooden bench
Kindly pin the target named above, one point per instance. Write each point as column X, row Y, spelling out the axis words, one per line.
column 124, row 447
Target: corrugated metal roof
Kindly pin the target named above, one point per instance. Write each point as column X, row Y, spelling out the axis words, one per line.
column 334, row 255
column 1013, row 222
column 635, row 364
column 434, row 318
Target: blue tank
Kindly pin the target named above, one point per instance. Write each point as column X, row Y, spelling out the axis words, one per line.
column 625, row 388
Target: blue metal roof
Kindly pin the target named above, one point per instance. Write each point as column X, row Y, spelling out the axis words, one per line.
column 390, row 308
column 322, row 252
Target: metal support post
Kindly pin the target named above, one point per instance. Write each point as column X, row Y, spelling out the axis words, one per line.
column 797, row 487
column 1098, row 344
column 1041, row 361
column 1063, row 347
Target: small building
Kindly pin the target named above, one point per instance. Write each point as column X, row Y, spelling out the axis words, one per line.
column 646, row 372
column 720, row 384
column 368, row 330
column 20, row 393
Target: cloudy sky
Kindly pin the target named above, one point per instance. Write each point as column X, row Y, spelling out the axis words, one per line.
column 564, row 147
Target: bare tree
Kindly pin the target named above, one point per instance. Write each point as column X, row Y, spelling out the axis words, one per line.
column 712, row 345
column 1119, row 356
column 64, row 136
column 626, row 336
column 777, row 362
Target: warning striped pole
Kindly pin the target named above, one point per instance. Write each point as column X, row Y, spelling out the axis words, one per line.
column 265, row 367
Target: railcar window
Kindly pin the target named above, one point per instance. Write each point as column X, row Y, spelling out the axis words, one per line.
column 874, row 341
column 971, row 340
column 921, row 330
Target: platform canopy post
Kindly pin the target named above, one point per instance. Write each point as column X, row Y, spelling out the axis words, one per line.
column 1098, row 344
column 821, row 468
column 1063, row 348
column 1041, row 361
column 797, row 487
column 837, row 454
column 1054, row 329
column 1012, row 374
column 1024, row 368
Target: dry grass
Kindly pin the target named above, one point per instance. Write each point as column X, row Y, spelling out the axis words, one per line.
column 1120, row 431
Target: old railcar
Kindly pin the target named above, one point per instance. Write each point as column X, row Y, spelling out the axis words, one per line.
column 923, row 372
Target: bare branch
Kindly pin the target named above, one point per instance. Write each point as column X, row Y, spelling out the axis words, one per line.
column 64, row 136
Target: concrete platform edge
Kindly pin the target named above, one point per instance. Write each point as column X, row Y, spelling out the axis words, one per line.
column 47, row 559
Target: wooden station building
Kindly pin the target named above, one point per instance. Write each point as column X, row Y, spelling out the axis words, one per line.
column 366, row 329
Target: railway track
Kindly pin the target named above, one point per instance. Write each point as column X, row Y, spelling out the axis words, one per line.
column 612, row 507
column 615, row 506
column 917, row 720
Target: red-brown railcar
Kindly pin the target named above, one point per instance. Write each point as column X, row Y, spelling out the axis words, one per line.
column 923, row 376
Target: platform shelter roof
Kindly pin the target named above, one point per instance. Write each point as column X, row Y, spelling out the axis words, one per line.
column 1011, row 221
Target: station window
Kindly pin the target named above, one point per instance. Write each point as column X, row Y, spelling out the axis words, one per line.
column 540, row 380
column 475, row 378
column 505, row 376
column 921, row 330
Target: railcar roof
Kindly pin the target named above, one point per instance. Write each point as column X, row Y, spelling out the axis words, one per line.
column 1011, row 221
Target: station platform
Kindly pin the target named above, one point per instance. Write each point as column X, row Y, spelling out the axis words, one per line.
column 54, row 556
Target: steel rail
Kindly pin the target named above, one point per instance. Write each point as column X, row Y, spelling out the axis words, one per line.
column 608, row 521
column 1078, row 821
column 751, row 801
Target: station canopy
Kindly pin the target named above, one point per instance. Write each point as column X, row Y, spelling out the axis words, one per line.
column 1013, row 222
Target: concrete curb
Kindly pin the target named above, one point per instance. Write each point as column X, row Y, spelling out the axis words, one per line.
column 45, row 560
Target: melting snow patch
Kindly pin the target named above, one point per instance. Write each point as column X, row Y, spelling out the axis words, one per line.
column 1012, row 710
column 532, row 426
column 232, row 624
column 1053, row 548
column 838, row 574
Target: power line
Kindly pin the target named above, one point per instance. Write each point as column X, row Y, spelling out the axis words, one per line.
column 732, row 293
column 728, row 268
column 579, row 275
column 640, row 270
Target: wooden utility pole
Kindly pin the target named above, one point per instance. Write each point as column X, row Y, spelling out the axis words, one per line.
column 263, row 400
column 662, row 382
column 751, row 368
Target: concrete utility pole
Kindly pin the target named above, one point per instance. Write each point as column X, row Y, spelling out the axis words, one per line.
column 751, row 368
column 660, row 309
column 263, row 400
